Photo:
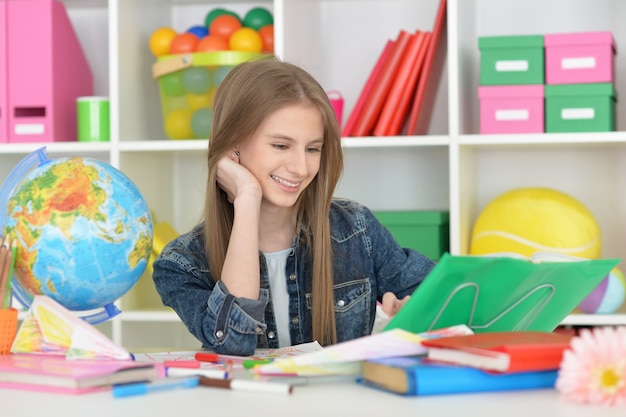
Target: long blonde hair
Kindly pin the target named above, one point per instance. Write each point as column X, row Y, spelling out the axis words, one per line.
column 248, row 94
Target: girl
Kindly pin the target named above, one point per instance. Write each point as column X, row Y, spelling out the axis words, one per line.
column 277, row 260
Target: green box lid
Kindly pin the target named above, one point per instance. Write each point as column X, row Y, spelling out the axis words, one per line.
column 577, row 90
column 521, row 41
column 431, row 217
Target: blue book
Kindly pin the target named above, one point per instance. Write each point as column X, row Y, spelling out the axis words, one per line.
column 413, row 375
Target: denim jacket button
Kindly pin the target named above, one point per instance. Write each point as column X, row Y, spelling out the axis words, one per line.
column 271, row 335
column 295, row 320
column 219, row 334
column 292, row 277
column 341, row 303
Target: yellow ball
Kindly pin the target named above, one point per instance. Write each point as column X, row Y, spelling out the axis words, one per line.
column 178, row 124
column 246, row 39
column 160, row 41
column 529, row 220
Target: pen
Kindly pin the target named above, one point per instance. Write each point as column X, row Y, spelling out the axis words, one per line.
column 163, row 384
column 247, row 385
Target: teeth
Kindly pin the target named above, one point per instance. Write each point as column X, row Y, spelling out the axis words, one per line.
column 287, row 183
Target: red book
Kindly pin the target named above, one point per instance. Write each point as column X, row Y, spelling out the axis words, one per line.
column 422, row 84
column 367, row 89
column 396, row 106
column 373, row 105
column 514, row 351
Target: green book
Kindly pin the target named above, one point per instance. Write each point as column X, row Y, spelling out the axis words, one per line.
column 501, row 293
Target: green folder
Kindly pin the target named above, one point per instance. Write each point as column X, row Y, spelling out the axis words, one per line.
column 501, row 293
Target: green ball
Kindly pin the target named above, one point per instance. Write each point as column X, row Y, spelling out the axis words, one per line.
column 172, row 84
column 197, row 80
column 258, row 17
column 217, row 12
column 201, row 122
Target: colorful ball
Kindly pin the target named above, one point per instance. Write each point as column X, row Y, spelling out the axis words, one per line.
column 267, row 36
column 220, row 73
column 212, row 43
column 201, row 122
column 247, row 40
column 178, row 124
column 225, row 25
column 215, row 13
column 184, row 43
column 160, row 41
column 196, row 101
column 196, row 80
column 172, row 84
column 608, row 296
column 258, row 17
column 199, row 30
column 529, row 220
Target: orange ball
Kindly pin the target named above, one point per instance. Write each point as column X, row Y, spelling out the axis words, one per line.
column 267, row 36
column 212, row 43
column 184, row 43
column 225, row 25
column 160, row 41
column 246, row 39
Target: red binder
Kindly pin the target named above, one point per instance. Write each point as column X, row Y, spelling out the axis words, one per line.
column 371, row 110
column 422, row 83
column 367, row 89
column 396, row 106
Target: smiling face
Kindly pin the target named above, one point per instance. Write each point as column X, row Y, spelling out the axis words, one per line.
column 284, row 153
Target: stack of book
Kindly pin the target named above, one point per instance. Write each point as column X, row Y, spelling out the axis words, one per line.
column 497, row 361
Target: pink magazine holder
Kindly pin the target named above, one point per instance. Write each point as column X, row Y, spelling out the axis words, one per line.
column 46, row 72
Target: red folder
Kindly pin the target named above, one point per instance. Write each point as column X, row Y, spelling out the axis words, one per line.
column 367, row 89
column 371, row 110
column 395, row 109
column 422, row 83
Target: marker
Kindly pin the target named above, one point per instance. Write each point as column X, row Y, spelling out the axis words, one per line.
column 163, row 384
column 247, row 385
column 182, row 364
column 251, row 363
column 207, row 357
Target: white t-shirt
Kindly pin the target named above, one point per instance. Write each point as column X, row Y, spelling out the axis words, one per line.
column 276, row 264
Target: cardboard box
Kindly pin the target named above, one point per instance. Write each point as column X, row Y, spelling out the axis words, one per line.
column 506, row 60
column 425, row 231
column 511, row 109
column 580, row 108
column 586, row 57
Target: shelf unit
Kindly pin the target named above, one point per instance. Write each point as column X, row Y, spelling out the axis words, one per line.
column 452, row 167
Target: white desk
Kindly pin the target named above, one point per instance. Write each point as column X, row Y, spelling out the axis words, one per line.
column 345, row 399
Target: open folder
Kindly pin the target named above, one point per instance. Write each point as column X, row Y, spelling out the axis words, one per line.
column 500, row 293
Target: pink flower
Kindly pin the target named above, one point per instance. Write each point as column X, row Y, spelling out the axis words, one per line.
column 593, row 370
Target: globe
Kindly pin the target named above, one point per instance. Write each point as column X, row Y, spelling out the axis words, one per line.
column 83, row 231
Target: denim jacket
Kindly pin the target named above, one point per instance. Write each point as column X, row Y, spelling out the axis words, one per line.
column 368, row 263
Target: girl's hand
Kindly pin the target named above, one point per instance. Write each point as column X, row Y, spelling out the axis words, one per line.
column 391, row 304
column 235, row 179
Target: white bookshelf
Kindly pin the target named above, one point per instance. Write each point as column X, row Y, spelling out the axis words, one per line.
column 452, row 167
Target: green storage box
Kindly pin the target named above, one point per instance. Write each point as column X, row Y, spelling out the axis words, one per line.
column 511, row 60
column 425, row 231
column 580, row 108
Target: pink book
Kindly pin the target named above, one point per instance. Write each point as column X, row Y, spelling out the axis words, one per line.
column 53, row 373
column 367, row 89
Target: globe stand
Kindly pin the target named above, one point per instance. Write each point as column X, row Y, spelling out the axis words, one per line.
column 38, row 158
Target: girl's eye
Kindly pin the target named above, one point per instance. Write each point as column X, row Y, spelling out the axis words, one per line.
column 279, row 146
column 314, row 149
